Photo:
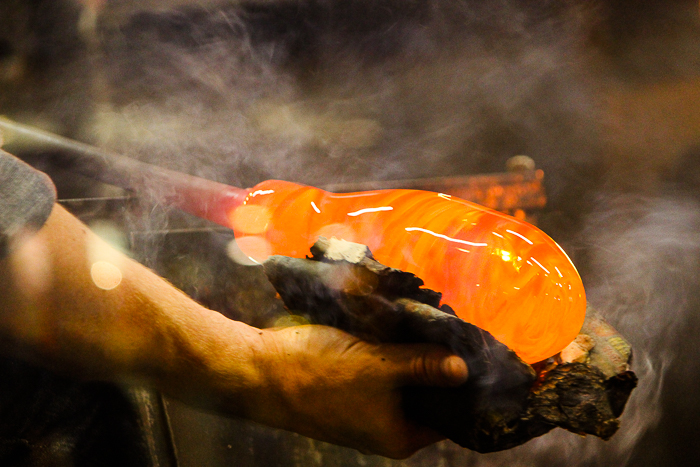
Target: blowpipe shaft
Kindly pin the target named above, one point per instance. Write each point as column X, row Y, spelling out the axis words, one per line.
column 204, row 198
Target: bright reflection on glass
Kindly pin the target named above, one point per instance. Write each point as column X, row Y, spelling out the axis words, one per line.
column 105, row 275
column 505, row 255
column 519, row 235
column 444, row 237
column 540, row 265
column 313, row 205
column 497, row 234
column 261, row 192
column 367, row 210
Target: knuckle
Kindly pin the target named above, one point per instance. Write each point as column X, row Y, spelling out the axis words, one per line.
column 425, row 369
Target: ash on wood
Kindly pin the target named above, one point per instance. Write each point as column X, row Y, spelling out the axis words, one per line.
column 505, row 402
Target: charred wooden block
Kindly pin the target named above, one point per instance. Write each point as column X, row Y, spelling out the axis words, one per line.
column 505, row 402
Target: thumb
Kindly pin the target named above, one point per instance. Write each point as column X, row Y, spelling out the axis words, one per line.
column 434, row 366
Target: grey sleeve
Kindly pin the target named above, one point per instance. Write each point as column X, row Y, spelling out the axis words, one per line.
column 27, row 197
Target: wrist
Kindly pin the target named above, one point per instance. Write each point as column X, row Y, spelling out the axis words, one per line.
column 216, row 365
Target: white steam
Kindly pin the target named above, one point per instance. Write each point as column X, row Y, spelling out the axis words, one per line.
column 426, row 93
column 343, row 90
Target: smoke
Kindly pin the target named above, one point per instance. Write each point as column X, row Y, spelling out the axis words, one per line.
column 646, row 264
column 320, row 91
column 643, row 276
column 327, row 91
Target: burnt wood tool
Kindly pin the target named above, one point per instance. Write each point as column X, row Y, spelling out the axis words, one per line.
column 505, row 402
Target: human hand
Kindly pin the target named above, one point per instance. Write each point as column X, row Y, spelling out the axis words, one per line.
column 326, row 384
column 314, row 380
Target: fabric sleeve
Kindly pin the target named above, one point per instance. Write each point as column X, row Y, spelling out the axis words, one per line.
column 27, row 197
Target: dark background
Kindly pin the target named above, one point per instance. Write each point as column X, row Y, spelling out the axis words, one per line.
column 603, row 94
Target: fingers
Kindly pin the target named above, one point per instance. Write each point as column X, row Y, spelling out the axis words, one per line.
column 454, row 371
column 340, row 389
column 410, row 364
column 428, row 365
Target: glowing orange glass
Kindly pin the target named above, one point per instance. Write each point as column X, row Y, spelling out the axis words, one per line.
column 499, row 273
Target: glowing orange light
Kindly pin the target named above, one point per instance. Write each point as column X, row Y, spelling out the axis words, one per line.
column 105, row 275
column 250, row 218
column 497, row 272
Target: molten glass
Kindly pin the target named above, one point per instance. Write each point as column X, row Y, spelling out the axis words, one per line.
column 501, row 274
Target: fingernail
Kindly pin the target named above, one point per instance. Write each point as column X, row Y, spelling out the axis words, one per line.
column 455, row 370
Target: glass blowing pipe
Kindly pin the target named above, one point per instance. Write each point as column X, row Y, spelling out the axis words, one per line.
column 498, row 273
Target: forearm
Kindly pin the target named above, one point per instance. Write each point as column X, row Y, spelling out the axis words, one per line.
column 54, row 313
column 315, row 380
